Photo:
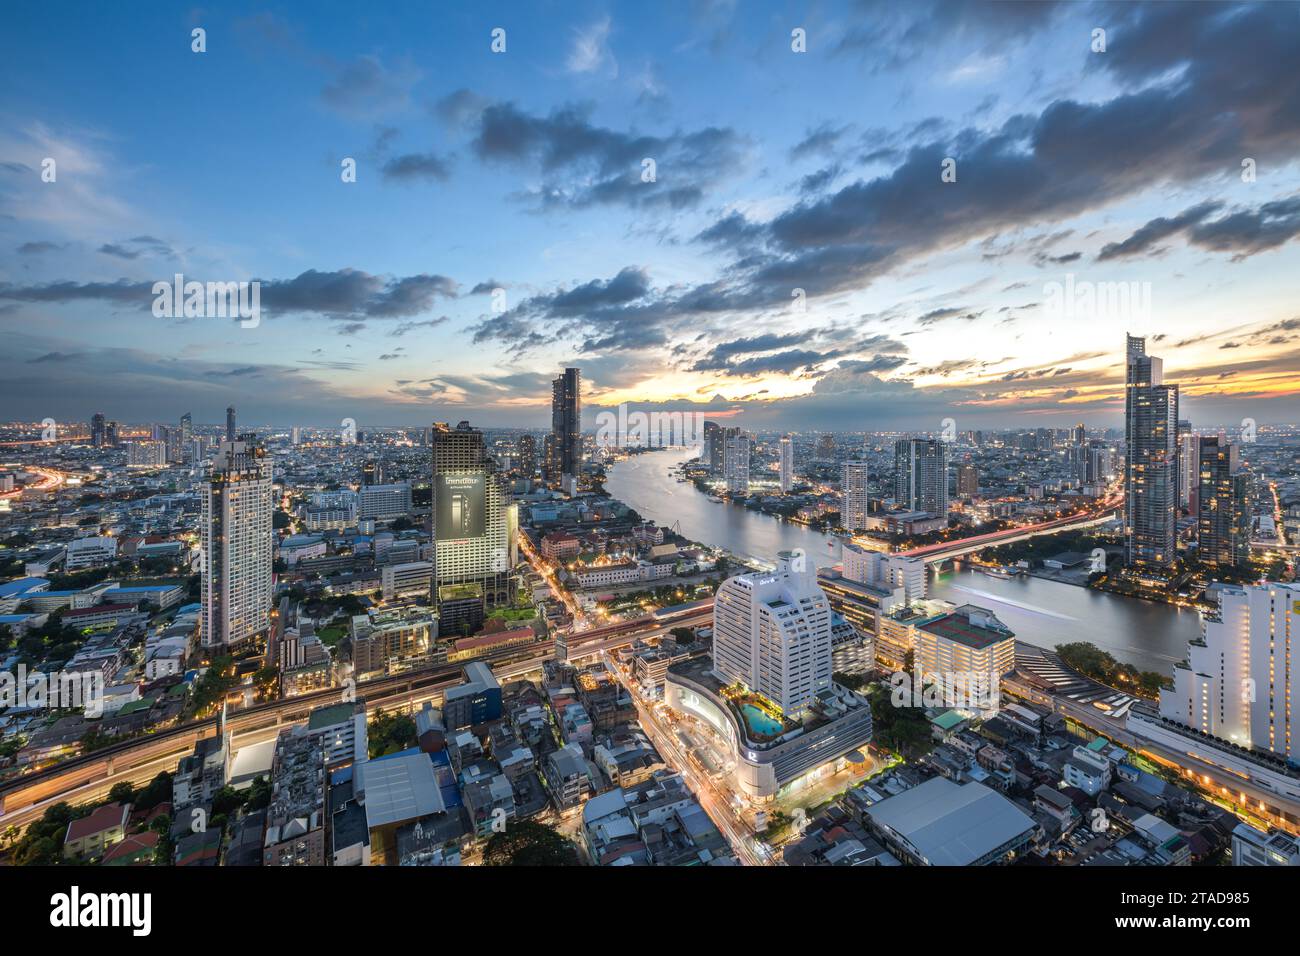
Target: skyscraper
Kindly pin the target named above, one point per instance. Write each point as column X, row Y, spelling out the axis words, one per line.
column 1238, row 680
column 713, row 447
column 98, row 430
column 236, row 537
column 853, row 495
column 968, row 481
column 374, row 472
column 1151, row 461
column 187, row 436
column 1223, row 509
column 566, row 426
column 1189, row 463
column 787, row 463
column 735, row 462
column 475, row 524
column 921, row 475
column 772, row 633
column 230, row 423
column 527, row 447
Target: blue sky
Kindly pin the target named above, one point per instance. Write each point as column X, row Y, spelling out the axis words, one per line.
column 776, row 171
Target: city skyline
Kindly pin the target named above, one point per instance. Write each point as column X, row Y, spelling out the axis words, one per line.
column 796, row 267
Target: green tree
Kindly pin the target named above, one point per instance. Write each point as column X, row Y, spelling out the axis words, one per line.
column 158, row 791
column 528, row 843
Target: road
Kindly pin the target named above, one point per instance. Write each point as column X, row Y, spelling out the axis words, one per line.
column 714, row 800
column 50, row 480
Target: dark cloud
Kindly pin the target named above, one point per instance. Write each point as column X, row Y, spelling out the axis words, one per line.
column 1243, row 232
column 416, row 166
column 134, row 248
column 1157, row 230
column 38, row 248
column 603, row 166
column 347, row 293
column 821, row 141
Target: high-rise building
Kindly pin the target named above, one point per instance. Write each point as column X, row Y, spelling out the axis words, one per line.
column 772, row 634
column 1189, row 464
column 230, row 423
column 787, row 464
column 1078, row 434
column 968, row 481
column 714, row 439
column 1151, row 462
column 236, row 537
column 374, row 471
column 186, row 436
column 527, row 447
column 1238, row 680
column 826, row 447
column 566, row 427
column 1223, row 506
column 1101, row 465
column 853, row 495
column 921, row 475
column 98, row 430
column 475, row 523
column 146, row 454
column 735, row 462
column 295, row 435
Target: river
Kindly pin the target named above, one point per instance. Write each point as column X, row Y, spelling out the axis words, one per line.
column 1046, row 613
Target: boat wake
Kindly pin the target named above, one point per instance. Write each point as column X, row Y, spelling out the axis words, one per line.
column 1017, row 604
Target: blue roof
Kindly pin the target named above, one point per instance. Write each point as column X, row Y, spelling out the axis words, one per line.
column 11, row 588
column 14, row 618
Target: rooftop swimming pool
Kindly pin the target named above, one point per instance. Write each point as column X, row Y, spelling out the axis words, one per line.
column 759, row 723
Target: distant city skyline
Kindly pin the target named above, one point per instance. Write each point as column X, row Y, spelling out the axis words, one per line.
column 792, row 266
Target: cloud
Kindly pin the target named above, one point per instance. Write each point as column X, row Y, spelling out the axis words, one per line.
column 1243, row 232
column 1142, row 240
column 590, row 51
column 38, row 248
column 346, row 293
column 414, row 166
column 365, row 86
column 603, row 166
column 1071, row 158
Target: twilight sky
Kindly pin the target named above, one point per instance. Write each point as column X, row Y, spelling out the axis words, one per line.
column 774, row 171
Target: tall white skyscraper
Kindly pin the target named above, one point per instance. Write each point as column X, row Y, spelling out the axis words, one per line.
column 772, row 633
column 787, row 464
column 236, row 539
column 853, row 495
column 1237, row 682
column 735, row 464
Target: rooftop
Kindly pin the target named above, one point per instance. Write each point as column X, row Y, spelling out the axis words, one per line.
column 952, row 825
column 976, row 631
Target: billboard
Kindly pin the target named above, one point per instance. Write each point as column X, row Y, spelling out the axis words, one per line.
column 460, row 500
